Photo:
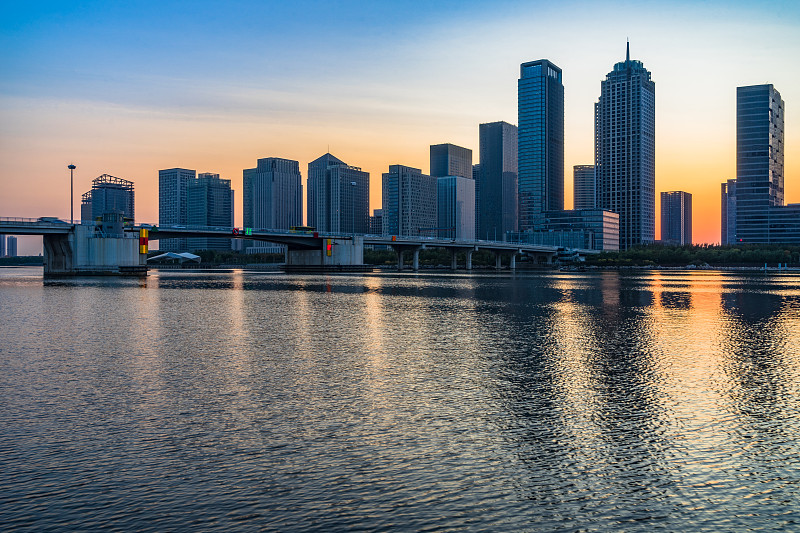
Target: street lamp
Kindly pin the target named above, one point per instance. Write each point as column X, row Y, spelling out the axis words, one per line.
column 71, row 200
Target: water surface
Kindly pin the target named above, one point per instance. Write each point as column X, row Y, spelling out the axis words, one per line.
column 551, row 401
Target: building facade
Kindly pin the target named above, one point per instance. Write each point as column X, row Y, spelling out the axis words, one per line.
column 589, row 229
column 172, row 210
column 625, row 118
column 208, row 203
column 110, row 193
column 11, row 246
column 376, row 222
column 450, row 160
column 676, row 217
column 273, row 194
column 759, row 161
column 728, row 210
column 496, row 194
column 455, row 207
column 541, row 141
column 338, row 196
column 409, row 202
column 2, row 245
column 584, row 186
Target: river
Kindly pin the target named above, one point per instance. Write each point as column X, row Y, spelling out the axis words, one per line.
column 543, row 401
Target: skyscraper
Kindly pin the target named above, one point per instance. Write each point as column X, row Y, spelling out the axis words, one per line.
column 728, row 210
column 208, row 203
column 2, row 245
column 376, row 222
column 496, row 184
column 450, row 160
column 110, row 193
column 584, row 186
column 273, row 194
column 676, row 217
column 409, row 202
column 455, row 207
column 759, row 161
column 338, row 196
column 172, row 185
column 541, row 141
column 625, row 119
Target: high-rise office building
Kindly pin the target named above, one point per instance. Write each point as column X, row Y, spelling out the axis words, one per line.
column 759, row 161
column 273, row 194
column 455, row 207
column 496, row 186
column 172, row 210
column 86, row 207
column 110, row 193
column 728, row 209
column 541, row 141
column 208, row 203
column 450, row 160
column 11, row 246
column 584, row 186
column 376, row 222
column 625, row 125
column 2, row 245
column 409, row 202
column 338, row 196
column 676, row 217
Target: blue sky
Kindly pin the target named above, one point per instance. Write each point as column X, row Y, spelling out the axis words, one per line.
column 128, row 88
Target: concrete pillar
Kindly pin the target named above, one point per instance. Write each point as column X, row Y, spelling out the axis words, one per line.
column 513, row 263
column 400, row 259
column 469, row 259
column 416, row 259
column 497, row 261
column 454, row 259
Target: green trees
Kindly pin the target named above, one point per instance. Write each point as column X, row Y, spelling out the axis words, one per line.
column 702, row 254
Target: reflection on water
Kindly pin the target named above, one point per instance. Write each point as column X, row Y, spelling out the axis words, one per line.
column 543, row 401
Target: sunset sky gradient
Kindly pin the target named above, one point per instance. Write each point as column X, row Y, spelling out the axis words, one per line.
column 131, row 88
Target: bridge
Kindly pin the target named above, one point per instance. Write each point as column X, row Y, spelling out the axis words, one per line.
column 110, row 247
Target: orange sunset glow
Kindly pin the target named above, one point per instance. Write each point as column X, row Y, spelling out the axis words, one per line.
column 106, row 92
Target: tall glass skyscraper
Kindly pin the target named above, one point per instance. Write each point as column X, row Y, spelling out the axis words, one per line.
column 625, row 163
column 273, row 194
column 540, row 96
column 338, row 196
column 209, row 203
column 172, row 207
column 409, row 202
column 584, row 186
column 450, row 160
column 496, row 181
column 759, row 161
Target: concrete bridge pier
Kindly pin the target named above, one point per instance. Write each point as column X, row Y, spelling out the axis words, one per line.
column 454, row 259
column 498, row 261
column 416, row 260
column 469, row 259
column 400, row 259
column 512, row 264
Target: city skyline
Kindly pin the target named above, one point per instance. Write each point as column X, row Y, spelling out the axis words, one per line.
column 131, row 110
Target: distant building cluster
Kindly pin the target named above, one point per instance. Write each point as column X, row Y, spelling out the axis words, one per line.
column 514, row 192
column 8, row 246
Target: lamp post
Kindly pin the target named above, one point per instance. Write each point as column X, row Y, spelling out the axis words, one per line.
column 71, row 200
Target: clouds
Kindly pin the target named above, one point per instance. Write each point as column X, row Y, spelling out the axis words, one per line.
column 134, row 87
